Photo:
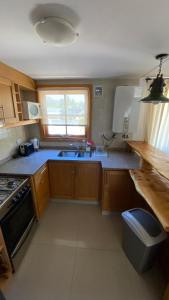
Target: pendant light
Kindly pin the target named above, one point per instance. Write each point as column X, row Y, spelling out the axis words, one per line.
column 156, row 88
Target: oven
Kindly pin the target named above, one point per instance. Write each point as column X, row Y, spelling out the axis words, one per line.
column 19, row 223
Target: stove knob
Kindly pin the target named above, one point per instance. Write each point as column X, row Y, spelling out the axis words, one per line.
column 14, row 199
column 26, row 188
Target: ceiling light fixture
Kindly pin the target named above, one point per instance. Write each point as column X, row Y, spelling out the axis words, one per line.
column 56, row 31
column 156, row 88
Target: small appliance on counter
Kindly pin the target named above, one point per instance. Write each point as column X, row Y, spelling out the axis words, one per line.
column 26, row 149
column 35, row 142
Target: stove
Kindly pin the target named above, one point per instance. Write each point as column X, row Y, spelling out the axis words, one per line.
column 8, row 186
column 17, row 215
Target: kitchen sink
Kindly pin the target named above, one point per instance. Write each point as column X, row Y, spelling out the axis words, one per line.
column 74, row 153
column 84, row 154
column 68, row 153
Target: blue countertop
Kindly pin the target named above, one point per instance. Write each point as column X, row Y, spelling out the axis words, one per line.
column 29, row 165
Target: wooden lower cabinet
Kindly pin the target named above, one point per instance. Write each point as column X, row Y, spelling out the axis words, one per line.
column 40, row 183
column 74, row 180
column 87, row 181
column 61, row 175
column 117, row 190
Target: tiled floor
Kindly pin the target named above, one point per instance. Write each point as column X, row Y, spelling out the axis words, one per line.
column 76, row 255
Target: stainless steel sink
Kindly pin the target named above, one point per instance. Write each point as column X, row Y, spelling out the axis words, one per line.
column 84, row 154
column 74, row 153
column 68, row 153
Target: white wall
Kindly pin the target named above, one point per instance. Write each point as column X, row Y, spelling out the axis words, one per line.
column 102, row 107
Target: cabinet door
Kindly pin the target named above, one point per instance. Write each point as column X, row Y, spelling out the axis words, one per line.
column 6, row 101
column 41, row 183
column 118, row 191
column 87, row 181
column 61, row 176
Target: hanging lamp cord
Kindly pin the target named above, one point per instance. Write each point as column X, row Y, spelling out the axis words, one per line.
column 160, row 66
column 163, row 61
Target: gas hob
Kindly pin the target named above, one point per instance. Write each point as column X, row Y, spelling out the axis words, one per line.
column 8, row 185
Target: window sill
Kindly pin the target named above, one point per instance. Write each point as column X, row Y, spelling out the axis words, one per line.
column 64, row 139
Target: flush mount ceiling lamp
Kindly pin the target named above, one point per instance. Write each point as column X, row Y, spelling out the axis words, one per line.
column 56, row 31
column 156, row 88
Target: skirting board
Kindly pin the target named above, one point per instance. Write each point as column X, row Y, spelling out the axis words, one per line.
column 70, row 201
column 110, row 213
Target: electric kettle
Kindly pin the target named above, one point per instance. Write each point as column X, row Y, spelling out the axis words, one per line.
column 35, row 143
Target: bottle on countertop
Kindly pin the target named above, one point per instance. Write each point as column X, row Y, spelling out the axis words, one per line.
column 89, row 145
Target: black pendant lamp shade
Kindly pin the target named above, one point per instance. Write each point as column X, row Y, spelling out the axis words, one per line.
column 156, row 88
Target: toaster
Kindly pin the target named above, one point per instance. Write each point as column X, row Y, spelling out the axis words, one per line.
column 26, row 149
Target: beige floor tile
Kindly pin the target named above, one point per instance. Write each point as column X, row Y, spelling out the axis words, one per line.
column 45, row 274
column 58, row 226
column 108, row 275
column 76, row 254
column 97, row 231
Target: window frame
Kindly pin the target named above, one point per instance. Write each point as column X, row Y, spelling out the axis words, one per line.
column 44, row 129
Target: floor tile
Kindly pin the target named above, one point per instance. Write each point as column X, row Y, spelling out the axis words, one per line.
column 97, row 231
column 45, row 274
column 76, row 254
column 109, row 275
column 58, row 226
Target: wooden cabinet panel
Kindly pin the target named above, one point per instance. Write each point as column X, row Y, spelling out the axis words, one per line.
column 87, row 181
column 61, row 176
column 118, row 189
column 6, row 101
column 41, row 186
column 74, row 180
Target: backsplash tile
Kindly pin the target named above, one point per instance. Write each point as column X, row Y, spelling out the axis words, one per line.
column 8, row 139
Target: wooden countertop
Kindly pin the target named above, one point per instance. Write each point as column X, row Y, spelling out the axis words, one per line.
column 155, row 190
column 159, row 160
column 152, row 181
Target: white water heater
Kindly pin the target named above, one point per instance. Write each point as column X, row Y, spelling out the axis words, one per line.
column 126, row 109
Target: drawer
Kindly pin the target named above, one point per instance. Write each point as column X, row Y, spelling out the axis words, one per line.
column 40, row 176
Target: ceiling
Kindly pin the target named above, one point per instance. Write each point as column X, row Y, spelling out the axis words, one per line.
column 117, row 37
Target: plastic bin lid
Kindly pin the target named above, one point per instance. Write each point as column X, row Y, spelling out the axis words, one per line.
column 145, row 226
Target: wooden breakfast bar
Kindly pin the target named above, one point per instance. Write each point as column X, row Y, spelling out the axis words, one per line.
column 152, row 183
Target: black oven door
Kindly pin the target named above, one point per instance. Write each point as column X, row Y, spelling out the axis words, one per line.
column 17, row 221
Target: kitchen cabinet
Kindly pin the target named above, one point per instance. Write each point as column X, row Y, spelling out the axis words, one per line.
column 62, row 176
column 7, row 101
column 40, row 183
column 117, row 190
column 16, row 76
column 74, row 180
column 87, row 177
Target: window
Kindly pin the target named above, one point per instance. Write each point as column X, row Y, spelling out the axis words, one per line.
column 157, row 123
column 65, row 112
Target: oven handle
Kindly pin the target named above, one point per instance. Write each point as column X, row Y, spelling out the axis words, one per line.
column 15, row 207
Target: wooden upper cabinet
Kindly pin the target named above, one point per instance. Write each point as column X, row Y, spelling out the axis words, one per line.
column 16, row 76
column 7, row 102
column 87, row 181
column 41, row 189
column 61, row 176
column 117, row 190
